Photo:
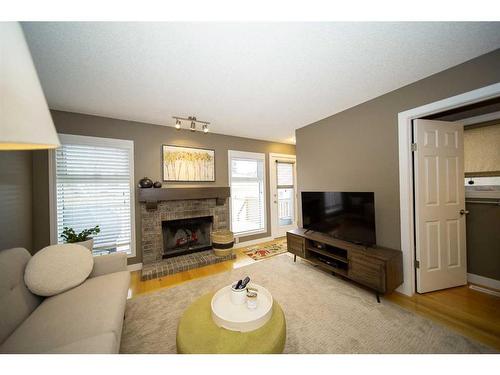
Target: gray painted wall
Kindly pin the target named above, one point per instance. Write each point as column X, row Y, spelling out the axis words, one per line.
column 483, row 221
column 15, row 199
column 148, row 140
column 483, row 239
column 41, row 223
column 357, row 149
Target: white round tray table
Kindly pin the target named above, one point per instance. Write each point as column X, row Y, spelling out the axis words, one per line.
column 240, row 318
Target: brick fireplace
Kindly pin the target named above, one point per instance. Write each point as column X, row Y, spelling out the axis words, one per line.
column 157, row 214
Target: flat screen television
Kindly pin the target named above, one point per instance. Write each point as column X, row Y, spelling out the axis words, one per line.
column 348, row 216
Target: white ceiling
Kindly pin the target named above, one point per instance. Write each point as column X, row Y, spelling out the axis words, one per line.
column 257, row 80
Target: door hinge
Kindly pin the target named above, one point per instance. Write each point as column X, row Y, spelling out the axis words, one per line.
column 417, row 264
column 413, row 147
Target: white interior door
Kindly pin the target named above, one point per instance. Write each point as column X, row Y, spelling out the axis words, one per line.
column 439, row 205
column 283, row 194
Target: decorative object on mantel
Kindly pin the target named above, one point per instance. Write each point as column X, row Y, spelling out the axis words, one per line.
column 153, row 196
column 188, row 164
column 145, row 183
column 192, row 123
column 222, row 242
column 83, row 238
column 157, row 185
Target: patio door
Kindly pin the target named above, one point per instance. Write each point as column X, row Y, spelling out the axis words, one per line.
column 283, row 194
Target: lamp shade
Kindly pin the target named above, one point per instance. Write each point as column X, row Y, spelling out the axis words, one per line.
column 25, row 121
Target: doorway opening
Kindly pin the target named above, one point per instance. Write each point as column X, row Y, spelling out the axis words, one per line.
column 481, row 202
column 456, row 174
column 469, row 309
column 468, row 105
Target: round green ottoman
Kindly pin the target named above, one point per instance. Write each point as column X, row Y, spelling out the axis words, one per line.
column 198, row 334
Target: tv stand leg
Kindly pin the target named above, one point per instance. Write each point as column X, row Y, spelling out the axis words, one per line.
column 378, row 297
column 294, row 258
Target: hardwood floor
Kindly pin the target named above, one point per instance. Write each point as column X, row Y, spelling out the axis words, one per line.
column 472, row 313
column 469, row 312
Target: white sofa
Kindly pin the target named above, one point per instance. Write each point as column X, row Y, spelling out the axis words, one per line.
column 85, row 319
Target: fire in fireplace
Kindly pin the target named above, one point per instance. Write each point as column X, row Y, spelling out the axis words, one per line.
column 186, row 236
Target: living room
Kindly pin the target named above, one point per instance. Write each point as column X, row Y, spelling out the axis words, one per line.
column 249, row 188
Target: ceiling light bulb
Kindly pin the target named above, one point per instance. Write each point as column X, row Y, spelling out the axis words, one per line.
column 177, row 124
column 193, row 126
column 205, row 128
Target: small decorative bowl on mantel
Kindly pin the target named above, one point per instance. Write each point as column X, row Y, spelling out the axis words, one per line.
column 145, row 183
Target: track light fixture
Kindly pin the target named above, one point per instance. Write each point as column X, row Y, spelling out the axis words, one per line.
column 193, row 121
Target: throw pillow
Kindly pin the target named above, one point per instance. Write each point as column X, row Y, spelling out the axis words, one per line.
column 58, row 268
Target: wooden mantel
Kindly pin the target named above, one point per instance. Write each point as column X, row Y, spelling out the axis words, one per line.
column 152, row 196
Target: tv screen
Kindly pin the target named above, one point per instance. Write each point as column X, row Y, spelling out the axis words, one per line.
column 348, row 216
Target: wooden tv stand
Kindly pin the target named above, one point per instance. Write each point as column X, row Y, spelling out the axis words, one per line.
column 377, row 268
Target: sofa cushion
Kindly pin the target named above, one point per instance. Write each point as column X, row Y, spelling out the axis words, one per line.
column 95, row 307
column 58, row 268
column 16, row 301
column 105, row 343
column 109, row 263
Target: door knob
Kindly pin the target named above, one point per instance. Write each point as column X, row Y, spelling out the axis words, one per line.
column 464, row 212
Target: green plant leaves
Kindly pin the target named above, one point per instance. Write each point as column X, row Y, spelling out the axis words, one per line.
column 70, row 236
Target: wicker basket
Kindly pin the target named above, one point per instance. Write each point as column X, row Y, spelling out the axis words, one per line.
column 222, row 242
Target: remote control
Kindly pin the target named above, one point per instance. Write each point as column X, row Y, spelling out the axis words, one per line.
column 238, row 284
column 246, row 280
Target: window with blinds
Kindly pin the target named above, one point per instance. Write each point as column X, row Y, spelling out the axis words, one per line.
column 94, row 186
column 247, row 181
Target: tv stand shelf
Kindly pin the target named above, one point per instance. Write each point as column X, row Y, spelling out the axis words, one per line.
column 377, row 268
column 336, row 270
column 326, row 253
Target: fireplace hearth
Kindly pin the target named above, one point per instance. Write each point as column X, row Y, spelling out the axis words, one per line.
column 185, row 236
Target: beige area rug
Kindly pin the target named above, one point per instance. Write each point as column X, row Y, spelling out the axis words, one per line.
column 265, row 251
column 324, row 314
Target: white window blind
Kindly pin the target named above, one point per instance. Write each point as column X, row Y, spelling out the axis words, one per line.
column 247, row 181
column 286, row 192
column 93, row 182
column 285, row 174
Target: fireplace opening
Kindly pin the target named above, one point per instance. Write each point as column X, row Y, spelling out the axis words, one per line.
column 186, row 236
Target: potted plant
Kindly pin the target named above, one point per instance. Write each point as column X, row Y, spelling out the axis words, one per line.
column 83, row 238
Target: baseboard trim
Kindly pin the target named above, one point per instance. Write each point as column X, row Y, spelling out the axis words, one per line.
column 484, row 290
column 483, row 281
column 134, row 267
column 252, row 242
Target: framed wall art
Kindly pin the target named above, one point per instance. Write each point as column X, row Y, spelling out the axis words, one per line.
column 188, row 164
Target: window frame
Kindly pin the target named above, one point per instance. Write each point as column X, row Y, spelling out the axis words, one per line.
column 255, row 156
column 99, row 142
